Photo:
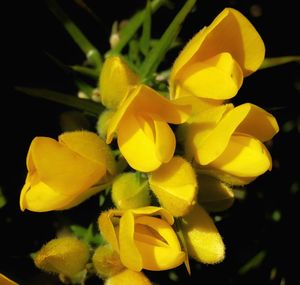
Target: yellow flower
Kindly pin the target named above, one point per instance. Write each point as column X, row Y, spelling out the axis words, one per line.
column 115, row 79
column 64, row 255
column 215, row 61
column 6, row 281
column 228, row 142
column 61, row 173
column 144, row 137
column 128, row 277
column 202, row 238
column 142, row 239
column 175, row 186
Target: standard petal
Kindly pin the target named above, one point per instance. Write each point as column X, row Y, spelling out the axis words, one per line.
column 62, row 169
column 229, row 32
column 214, row 142
column 244, row 156
column 203, row 240
column 259, row 124
column 218, row 77
column 115, row 78
column 175, row 186
column 90, row 146
column 137, row 146
column 129, row 254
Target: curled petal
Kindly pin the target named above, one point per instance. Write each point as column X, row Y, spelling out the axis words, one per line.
column 219, row 77
column 244, row 156
column 203, row 240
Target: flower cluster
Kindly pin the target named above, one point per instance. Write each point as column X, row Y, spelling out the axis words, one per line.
column 184, row 151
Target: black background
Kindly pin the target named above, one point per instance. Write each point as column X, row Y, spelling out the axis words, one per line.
column 31, row 31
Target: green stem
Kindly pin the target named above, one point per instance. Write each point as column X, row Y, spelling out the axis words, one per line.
column 83, row 43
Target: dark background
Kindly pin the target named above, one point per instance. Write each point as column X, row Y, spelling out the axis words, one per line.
column 31, row 31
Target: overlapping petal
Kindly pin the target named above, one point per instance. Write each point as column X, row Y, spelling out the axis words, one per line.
column 61, row 173
column 145, row 241
column 220, row 55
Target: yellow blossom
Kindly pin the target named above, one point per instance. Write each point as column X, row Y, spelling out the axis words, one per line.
column 6, row 281
column 115, row 79
column 142, row 239
column 202, row 238
column 128, row 277
column 61, row 174
column 145, row 138
column 65, row 255
column 228, row 142
column 215, row 61
column 175, row 186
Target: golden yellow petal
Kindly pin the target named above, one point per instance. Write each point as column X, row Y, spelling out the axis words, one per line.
column 128, row 277
column 129, row 253
column 4, row 280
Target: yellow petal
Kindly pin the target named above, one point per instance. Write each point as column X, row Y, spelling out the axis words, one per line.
column 64, row 255
column 129, row 254
column 153, row 210
column 218, row 77
column 90, row 146
column 214, row 195
column 136, row 146
column 6, row 281
column 244, row 156
column 259, row 124
column 62, row 169
column 203, row 240
column 157, row 257
column 175, row 186
column 107, row 229
column 214, row 142
column 145, row 100
column 115, row 79
column 128, row 277
column 229, row 32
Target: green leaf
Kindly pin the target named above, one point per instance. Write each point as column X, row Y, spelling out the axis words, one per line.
column 66, row 99
column 158, row 52
column 254, row 262
column 275, row 61
column 132, row 26
column 80, row 39
column 2, row 199
column 146, row 35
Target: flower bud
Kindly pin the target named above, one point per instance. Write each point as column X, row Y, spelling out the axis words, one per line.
column 103, row 122
column 128, row 277
column 107, row 261
column 65, row 255
column 130, row 191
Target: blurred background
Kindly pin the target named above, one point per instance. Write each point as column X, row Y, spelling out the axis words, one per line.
column 259, row 231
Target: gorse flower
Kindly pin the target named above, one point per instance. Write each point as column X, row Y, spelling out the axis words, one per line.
column 215, row 61
column 61, row 174
column 165, row 160
column 143, row 240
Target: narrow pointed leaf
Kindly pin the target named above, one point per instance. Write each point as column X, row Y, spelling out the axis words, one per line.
column 275, row 61
column 158, row 52
column 80, row 39
column 68, row 100
column 146, row 35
